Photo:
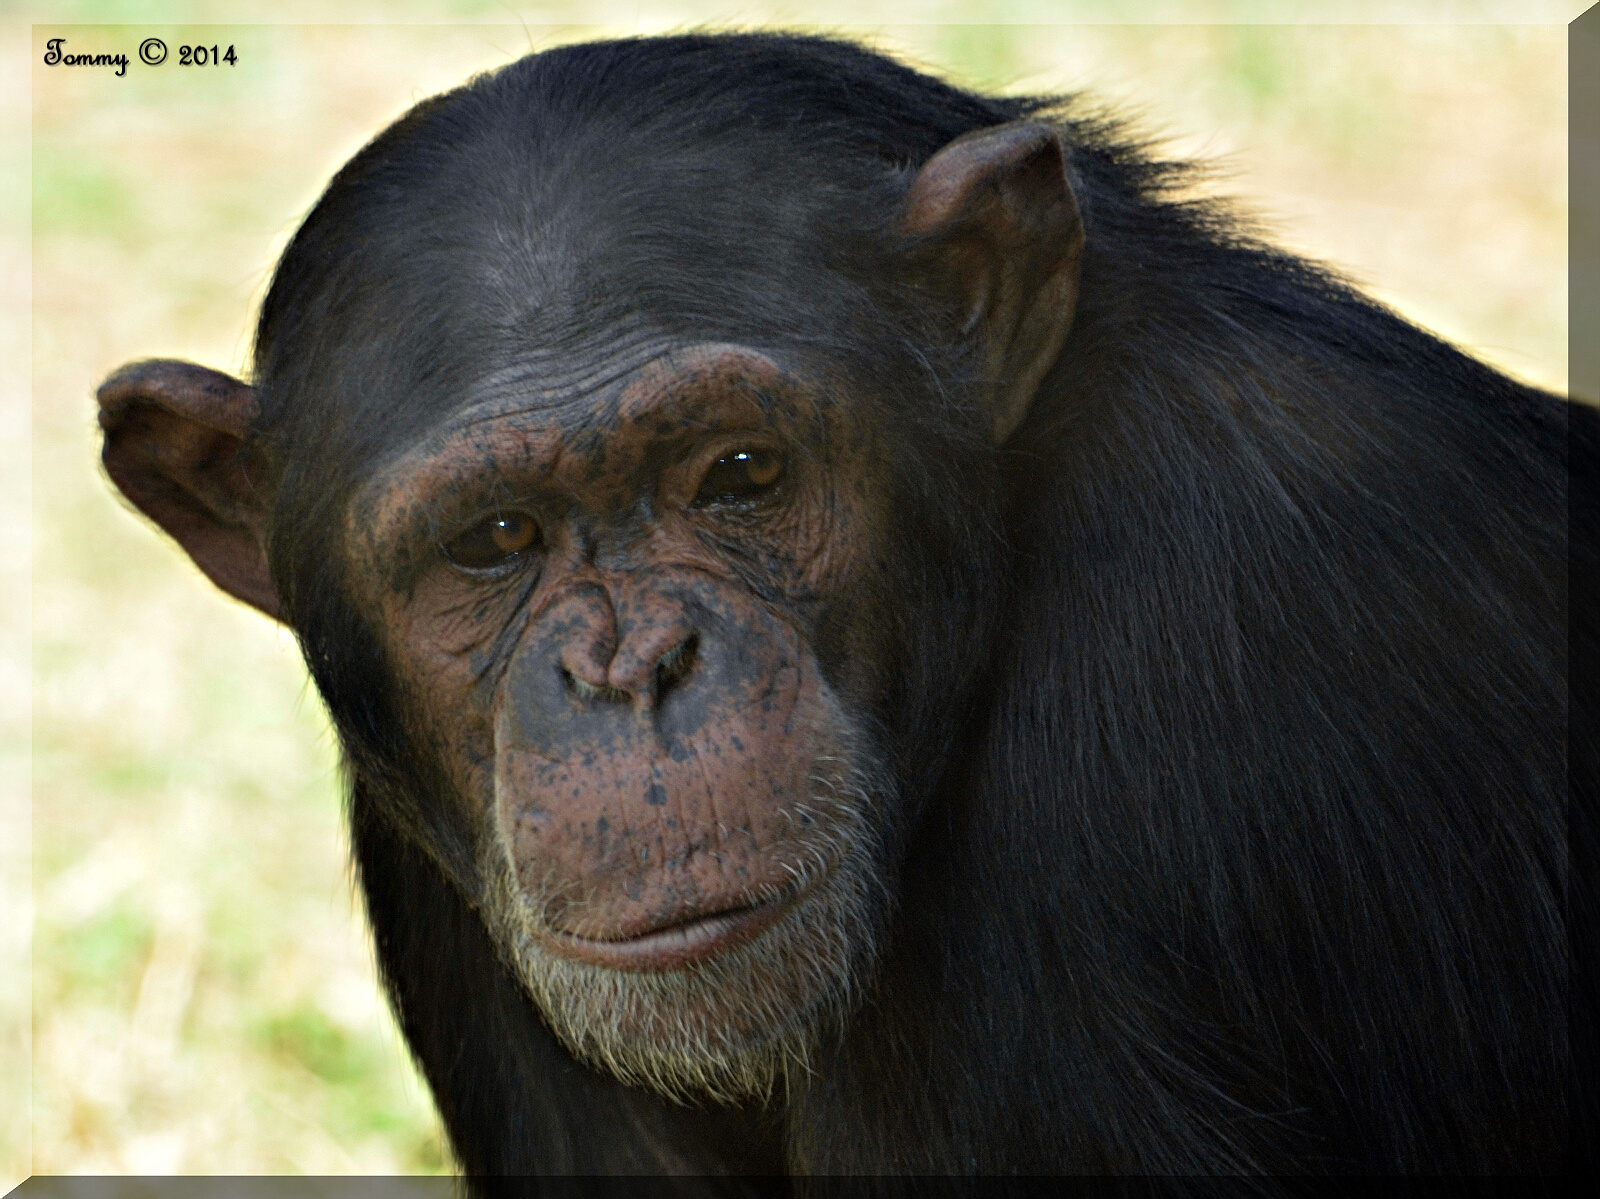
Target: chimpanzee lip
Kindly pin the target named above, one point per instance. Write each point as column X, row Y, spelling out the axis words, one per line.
column 681, row 943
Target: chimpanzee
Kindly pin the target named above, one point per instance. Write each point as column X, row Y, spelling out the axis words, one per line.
column 873, row 632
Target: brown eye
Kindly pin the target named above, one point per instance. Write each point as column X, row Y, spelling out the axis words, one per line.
column 494, row 542
column 739, row 476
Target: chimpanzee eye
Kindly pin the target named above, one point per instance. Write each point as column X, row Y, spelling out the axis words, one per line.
column 741, row 475
column 494, row 542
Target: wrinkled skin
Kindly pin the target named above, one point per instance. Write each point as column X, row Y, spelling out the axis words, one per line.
column 641, row 819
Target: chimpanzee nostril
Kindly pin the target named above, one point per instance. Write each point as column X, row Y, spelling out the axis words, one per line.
column 589, row 693
column 675, row 665
column 670, row 670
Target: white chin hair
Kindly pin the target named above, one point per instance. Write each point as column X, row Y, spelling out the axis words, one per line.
column 731, row 1027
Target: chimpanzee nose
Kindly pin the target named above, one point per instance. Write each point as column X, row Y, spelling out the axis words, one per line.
column 631, row 650
column 656, row 647
column 672, row 656
column 649, row 663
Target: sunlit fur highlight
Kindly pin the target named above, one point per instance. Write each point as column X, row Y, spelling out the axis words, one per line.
column 736, row 1026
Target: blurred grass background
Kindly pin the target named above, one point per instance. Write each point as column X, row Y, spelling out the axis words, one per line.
column 202, row 994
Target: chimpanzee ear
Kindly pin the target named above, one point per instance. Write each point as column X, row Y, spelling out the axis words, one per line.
column 177, row 444
column 992, row 217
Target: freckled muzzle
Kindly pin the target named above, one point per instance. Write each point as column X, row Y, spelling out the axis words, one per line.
column 656, row 747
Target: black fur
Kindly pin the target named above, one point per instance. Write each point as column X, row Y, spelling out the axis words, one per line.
column 1232, row 692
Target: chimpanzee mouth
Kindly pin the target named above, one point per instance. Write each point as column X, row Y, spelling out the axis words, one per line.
column 684, row 942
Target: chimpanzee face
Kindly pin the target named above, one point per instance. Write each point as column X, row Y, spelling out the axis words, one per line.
column 601, row 610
